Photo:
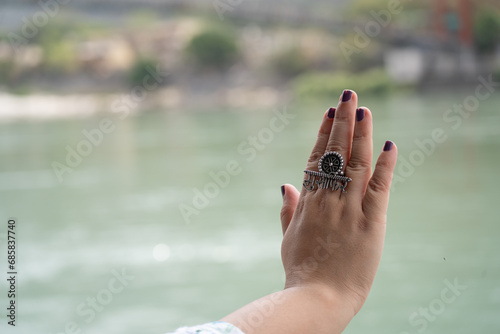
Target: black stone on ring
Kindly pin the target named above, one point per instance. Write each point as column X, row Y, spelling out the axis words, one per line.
column 331, row 163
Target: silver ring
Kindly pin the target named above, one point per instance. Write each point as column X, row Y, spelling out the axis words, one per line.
column 330, row 175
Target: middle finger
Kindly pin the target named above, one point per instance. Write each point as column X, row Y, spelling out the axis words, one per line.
column 343, row 125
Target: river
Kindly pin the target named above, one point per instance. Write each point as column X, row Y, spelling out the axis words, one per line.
column 105, row 244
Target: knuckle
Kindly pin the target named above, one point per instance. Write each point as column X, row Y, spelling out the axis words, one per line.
column 379, row 185
column 315, row 156
column 283, row 213
column 360, row 136
column 336, row 145
column 342, row 116
column 359, row 165
column 384, row 165
column 323, row 136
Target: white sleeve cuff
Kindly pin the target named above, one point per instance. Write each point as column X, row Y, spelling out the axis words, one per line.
column 216, row 327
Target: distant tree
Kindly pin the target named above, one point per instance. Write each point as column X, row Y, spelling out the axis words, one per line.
column 487, row 31
column 140, row 70
column 323, row 85
column 289, row 62
column 57, row 41
column 360, row 8
column 212, row 49
column 7, row 71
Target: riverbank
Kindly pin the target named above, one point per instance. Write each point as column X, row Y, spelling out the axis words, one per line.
column 40, row 106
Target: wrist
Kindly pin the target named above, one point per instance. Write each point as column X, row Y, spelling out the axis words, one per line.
column 337, row 309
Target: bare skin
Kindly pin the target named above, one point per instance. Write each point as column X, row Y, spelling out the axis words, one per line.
column 332, row 241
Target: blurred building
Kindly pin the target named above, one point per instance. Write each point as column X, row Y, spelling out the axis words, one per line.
column 453, row 21
column 446, row 53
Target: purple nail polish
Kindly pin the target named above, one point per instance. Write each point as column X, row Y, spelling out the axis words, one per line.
column 346, row 95
column 283, row 191
column 331, row 112
column 388, row 145
column 360, row 114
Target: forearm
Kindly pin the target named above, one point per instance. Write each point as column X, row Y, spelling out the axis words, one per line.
column 301, row 310
column 332, row 240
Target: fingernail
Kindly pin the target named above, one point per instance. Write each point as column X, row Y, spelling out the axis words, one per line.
column 331, row 112
column 283, row 191
column 360, row 114
column 346, row 95
column 388, row 145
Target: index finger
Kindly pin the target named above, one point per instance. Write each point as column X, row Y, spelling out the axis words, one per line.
column 322, row 140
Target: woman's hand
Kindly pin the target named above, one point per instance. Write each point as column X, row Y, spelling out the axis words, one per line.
column 333, row 240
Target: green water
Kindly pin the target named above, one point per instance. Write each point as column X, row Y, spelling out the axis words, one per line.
column 123, row 200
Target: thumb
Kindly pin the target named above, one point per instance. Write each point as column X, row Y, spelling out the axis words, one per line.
column 290, row 199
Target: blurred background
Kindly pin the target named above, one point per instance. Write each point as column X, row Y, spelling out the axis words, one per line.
column 143, row 146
